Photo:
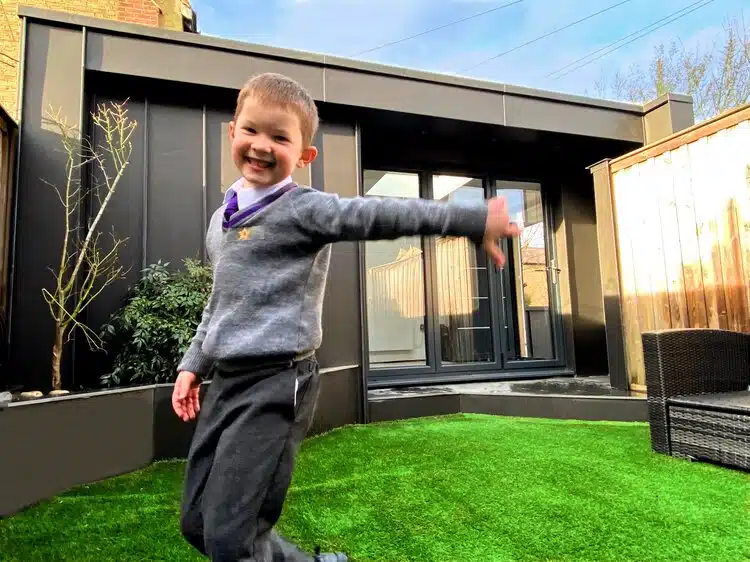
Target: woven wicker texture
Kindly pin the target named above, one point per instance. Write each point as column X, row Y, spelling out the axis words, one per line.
column 697, row 381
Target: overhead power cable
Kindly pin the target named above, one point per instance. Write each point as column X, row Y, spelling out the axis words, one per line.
column 558, row 30
column 611, row 48
column 396, row 42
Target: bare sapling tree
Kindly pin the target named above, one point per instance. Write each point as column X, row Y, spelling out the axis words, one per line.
column 717, row 76
column 86, row 265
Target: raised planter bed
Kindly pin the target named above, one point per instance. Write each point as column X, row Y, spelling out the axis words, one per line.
column 52, row 444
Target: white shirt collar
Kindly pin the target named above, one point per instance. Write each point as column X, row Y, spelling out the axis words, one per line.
column 247, row 195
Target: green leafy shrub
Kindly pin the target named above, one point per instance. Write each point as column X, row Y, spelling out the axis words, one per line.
column 148, row 336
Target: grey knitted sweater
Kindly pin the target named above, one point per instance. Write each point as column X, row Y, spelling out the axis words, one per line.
column 270, row 265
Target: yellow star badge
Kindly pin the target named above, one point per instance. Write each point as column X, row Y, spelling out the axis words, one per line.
column 243, row 234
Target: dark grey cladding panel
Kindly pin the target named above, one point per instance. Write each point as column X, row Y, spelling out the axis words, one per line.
column 340, row 400
column 52, row 80
column 353, row 87
column 562, row 117
column 342, row 322
column 220, row 169
column 191, row 64
column 189, row 58
column 174, row 206
column 49, row 446
column 413, row 96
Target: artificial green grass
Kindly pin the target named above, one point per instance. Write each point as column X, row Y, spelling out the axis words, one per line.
column 459, row 488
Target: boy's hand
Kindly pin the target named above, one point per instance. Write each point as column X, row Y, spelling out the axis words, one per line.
column 185, row 396
column 498, row 226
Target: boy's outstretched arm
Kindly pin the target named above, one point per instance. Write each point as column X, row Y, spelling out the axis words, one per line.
column 330, row 218
column 498, row 226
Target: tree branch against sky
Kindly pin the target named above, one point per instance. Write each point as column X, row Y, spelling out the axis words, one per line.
column 716, row 73
column 448, row 36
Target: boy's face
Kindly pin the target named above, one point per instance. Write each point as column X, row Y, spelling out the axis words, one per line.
column 267, row 143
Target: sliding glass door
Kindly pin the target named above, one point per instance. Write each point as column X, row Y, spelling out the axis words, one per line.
column 461, row 285
column 395, row 286
column 529, row 282
column 435, row 306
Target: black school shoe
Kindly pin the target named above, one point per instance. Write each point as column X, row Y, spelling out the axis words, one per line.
column 329, row 556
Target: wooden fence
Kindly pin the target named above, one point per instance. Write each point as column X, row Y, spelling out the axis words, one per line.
column 682, row 226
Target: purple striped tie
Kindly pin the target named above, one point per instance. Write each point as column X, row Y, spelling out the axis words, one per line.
column 232, row 217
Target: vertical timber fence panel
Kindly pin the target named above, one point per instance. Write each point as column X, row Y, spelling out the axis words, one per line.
column 682, row 214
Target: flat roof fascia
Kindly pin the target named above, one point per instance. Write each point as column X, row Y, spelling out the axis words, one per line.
column 332, row 79
column 664, row 100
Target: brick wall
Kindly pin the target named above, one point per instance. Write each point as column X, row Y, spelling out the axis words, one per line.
column 154, row 13
column 143, row 12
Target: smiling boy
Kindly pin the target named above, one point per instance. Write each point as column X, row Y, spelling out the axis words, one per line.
column 269, row 244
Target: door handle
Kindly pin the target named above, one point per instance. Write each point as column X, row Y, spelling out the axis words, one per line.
column 552, row 267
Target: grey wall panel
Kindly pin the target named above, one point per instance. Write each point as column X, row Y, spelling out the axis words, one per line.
column 583, row 268
column 52, row 79
column 683, row 115
column 666, row 115
column 131, row 56
column 544, row 115
column 220, row 169
column 657, row 123
column 317, row 168
column 555, row 198
column 411, row 96
column 302, row 176
column 174, row 207
column 342, row 322
column 414, row 407
column 337, row 405
column 194, row 65
column 556, row 407
column 59, row 444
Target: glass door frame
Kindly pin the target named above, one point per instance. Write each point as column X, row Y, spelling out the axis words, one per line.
column 405, row 372
column 497, row 319
column 503, row 279
column 500, row 312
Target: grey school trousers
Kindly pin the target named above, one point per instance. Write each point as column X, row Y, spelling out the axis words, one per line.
column 251, row 423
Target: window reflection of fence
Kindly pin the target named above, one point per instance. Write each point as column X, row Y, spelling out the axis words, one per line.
column 399, row 287
column 682, row 210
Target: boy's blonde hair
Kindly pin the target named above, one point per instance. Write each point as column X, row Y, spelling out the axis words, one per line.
column 282, row 91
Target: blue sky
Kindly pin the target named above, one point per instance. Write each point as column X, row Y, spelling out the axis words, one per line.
column 347, row 27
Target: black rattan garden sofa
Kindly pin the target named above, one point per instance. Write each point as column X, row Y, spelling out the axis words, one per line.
column 698, row 384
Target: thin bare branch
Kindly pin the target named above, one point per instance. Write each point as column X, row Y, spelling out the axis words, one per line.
column 85, row 269
column 716, row 75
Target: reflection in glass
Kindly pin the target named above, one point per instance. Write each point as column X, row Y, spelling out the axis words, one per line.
column 529, row 268
column 396, row 326
column 463, row 302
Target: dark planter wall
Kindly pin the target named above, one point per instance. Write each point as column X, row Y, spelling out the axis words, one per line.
column 336, row 408
column 51, row 445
